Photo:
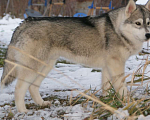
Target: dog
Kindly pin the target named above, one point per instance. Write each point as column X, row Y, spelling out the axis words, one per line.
column 105, row 42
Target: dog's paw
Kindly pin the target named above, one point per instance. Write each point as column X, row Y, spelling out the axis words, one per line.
column 46, row 103
column 23, row 110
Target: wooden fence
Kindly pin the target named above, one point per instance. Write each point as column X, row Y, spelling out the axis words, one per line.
column 17, row 7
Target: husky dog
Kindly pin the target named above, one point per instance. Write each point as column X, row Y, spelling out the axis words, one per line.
column 105, row 42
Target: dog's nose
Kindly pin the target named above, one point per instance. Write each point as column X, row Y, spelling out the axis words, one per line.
column 147, row 35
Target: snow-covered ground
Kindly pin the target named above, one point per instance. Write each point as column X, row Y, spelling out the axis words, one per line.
column 49, row 87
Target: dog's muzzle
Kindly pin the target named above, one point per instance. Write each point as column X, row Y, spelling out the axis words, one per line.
column 147, row 35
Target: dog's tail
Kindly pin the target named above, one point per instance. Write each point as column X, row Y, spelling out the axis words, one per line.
column 9, row 74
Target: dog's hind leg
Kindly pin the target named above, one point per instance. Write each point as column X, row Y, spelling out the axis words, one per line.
column 23, row 83
column 34, row 88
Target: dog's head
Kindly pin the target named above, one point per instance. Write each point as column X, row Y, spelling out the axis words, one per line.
column 137, row 21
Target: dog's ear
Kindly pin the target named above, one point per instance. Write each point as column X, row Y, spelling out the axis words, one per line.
column 148, row 5
column 130, row 8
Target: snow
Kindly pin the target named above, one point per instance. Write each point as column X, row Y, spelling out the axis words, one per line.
column 7, row 27
column 68, row 76
column 141, row 117
column 117, row 116
column 142, row 2
column 76, row 112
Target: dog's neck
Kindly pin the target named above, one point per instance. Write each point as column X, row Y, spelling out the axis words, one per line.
column 118, row 19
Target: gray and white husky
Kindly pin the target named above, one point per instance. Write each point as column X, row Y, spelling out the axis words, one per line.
column 105, row 42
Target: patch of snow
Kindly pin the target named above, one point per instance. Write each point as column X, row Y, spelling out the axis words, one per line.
column 142, row 2
column 7, row 27
column 76, row 112
column 124, row 114
column 142, row 117
column 6, row 98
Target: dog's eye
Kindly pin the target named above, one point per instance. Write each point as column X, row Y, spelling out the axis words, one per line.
column 138, row 23
column 148, row 23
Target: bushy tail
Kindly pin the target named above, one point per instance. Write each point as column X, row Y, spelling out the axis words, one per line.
column 9, row 74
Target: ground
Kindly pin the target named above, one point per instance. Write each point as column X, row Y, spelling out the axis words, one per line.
column 59, row 92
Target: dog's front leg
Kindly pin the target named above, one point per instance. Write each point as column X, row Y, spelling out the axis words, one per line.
column 116, row 69
column 106, row 79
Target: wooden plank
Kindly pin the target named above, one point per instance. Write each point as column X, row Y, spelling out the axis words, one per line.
column 104, row 8
column 7, row 6
column 50, row 9
column 58, row 3
column 38, row 4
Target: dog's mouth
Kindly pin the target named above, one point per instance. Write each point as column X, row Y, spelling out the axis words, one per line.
column 147, row 35
column 146, row 40
column 142, row 39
